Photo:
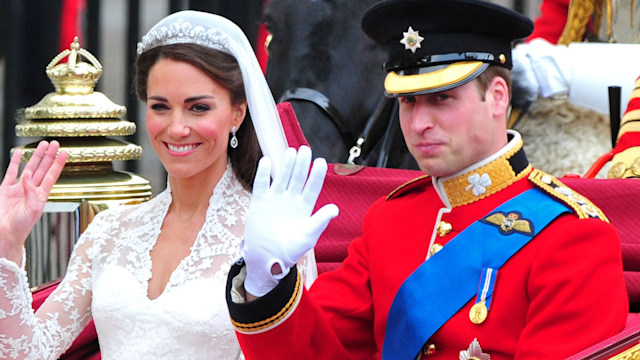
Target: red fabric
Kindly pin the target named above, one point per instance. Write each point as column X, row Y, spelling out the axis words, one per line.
column 71, row 22
column 86, row 346
column 291, row 126
column 261, row 51
column 551, row 22
column 616, row 198
column 613, row 345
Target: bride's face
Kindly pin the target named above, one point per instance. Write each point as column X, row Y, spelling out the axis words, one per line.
column 189, row 119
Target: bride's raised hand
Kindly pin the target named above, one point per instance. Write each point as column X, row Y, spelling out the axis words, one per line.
column 22, row 198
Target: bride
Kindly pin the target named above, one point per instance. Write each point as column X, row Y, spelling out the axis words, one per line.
column 152, row 275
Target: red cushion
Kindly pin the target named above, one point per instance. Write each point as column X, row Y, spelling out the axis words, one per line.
column 617, row 198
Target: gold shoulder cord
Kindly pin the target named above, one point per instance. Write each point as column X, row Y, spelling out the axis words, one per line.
column 580, row 205
column 580, row 12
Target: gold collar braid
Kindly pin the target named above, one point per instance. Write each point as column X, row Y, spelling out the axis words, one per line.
column 485, row 180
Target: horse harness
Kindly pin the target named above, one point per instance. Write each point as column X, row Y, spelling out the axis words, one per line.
column 321, row 101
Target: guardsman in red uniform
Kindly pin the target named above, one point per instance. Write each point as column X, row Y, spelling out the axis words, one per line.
column 483, row 257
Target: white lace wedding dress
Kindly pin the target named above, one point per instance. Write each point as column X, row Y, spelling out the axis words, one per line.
column 107, row 279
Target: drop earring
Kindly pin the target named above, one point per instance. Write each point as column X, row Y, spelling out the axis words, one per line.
column 234, row 140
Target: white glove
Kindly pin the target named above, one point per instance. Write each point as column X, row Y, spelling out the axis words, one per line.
column 543, row 67
column 525, row 88
column 280, row 228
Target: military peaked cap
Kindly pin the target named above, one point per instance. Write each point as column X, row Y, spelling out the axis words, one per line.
column 435, row 45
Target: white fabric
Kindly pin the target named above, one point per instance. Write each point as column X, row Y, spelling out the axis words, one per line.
column 216, row 32
column 108, row 278
column 281, row 227
column 583, row 71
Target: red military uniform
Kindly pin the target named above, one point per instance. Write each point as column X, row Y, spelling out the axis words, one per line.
column 560, row 293
column 551, row 22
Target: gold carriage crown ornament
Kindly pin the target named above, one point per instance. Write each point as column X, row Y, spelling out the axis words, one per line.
column 83, row 121
column 78, row 114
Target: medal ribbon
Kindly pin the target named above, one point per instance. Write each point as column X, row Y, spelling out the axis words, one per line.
column 437, row 290
column 485, row 290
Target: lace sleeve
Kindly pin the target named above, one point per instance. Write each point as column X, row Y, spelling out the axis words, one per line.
column 51, row 330
column 308, row 268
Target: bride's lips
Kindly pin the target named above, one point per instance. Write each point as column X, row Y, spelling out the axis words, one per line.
column 181, row 149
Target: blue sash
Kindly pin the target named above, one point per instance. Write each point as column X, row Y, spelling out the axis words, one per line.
column 441, row 286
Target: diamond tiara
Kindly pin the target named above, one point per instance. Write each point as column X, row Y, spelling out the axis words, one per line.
column 183, row 32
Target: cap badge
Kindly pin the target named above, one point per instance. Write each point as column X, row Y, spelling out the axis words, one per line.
column 411, row 40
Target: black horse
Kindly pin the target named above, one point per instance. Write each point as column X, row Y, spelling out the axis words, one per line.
column 322, row 62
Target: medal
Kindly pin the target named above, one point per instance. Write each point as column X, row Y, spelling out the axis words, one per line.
column 478, row 313
column 480, row 310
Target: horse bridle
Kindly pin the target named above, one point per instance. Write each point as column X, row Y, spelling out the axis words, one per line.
column 317, row 98
column 321, row 101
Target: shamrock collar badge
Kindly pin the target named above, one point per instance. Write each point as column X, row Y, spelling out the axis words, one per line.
column 411, row 40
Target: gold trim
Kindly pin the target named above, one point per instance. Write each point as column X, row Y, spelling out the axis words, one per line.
column 76, row 128
column 629, row 354
column 399, row 188
column 396, row 84
column 625, row 164
column 275, row 319
column 636, row 90
column 581, row 206
column 500, row 172
column 631, row 115
column 631, row 126
column 100, row 153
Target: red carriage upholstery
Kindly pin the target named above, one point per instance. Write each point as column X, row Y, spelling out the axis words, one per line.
column 618, row 199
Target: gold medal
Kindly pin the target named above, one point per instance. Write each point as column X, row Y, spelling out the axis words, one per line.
column 478, row 313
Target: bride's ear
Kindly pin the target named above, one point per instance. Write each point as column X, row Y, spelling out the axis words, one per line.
column 240, row 113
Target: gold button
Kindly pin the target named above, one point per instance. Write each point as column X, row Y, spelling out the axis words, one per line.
column 435, row 248
column 429, row 349
column 443, row 228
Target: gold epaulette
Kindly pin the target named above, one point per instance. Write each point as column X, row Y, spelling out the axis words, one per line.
column 406, row 187
column 580, row 205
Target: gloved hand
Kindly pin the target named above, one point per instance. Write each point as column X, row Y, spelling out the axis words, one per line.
column 583, row 71
column 280, row 227
column 540, row 68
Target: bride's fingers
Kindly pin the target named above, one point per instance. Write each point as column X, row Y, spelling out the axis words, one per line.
column 54, row 172
column 12, row 171
column 45, row 163
column 36, row 158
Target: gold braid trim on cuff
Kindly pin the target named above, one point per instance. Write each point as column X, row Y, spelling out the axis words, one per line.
column 277, row 318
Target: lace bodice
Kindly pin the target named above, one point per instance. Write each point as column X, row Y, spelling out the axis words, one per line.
column 107, row 279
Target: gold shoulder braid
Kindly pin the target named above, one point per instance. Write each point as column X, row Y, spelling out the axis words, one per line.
column 581, row 206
